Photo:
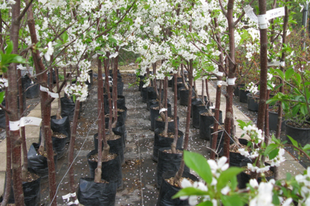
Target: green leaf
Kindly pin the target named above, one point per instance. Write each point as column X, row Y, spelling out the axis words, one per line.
column 295, row 109
column 280, row 73
column 306, row 147
column 289, row 73
column 199, row 164
column 233, row 200
column 273, row 153
column 226, row 176
column 2, row 96
column 188, row 191
column 9, row 48
column 275, row 199
column 294, row 142
column 206, row 203
column 270, row 148
column 304, row 109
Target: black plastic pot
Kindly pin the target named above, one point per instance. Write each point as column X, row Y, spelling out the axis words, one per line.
column 2, row 117
column 244, row 178
column 196, row 101
column 31, row 191
column 91, row 193
column 161, row 141
column 61, row 126
column 144, row 94
column 168, row 162
column 237, row 89
column 184, row 96
column 67, row 107
column 167, row 191
column 31, row 89
column 273, row 121
column 204, row 123
column 141, row 82
column 154, row 113
column 195, row 118
column 111, row 170
column 238, row 160
column 159, row 124
column 116, row 146
column 38, row 163
column 301, row 135
column 252, row 102
column 122, row 114
column 243, row 95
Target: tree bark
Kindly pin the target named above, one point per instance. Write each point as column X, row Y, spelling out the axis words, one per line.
column 175, row 111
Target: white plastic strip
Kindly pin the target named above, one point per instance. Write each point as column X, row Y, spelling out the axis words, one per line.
column 220, row 74
column 24, row 121
column 263, row 21
column 76, row 202
column 273, row 64
column 231, row 81
column 274, row 13
column 163, row 110
column 219, row 83
column 212, row 107
column 52, row 94
column 282, row 64
column 249, row 12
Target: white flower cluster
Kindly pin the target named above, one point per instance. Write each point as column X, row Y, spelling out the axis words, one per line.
column 254, row 133
column 247, row 154
column 252, row 87
column 80, row 91
column 216, row 168
column 263, row 193
column 304, row 180
column 6, row 4
column 278, row 159
column 256, row 169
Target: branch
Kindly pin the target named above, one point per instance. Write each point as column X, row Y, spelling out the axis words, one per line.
column 240, row 17
column 222, row 7
column 5, row 109
column 300, row 150
column 119, row 21
column 24, row 11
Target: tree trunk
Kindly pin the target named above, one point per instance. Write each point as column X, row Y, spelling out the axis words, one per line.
column 13, row 116
column 45, row 109
column 114, row 90
column 175, row 111
column 106, row 147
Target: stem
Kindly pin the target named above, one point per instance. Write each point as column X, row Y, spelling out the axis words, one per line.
column 71, row 147
column 106, row 147
column 114, row 90
column 176, row 131
column 165, row 132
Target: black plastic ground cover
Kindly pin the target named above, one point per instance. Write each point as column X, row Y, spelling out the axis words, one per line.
column 96, row 194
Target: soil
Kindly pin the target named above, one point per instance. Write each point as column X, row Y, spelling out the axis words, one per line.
column 94, row 158
column 59, row 135
column 171, row 135
column 170, row 151
column 30, row 177
column 175, row 184
column 294, row 124
column 170, row 119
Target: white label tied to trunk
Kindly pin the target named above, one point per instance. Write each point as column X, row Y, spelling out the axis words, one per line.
column 24, row 121
column 52, row 94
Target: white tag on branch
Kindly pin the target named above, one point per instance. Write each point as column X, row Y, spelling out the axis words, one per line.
column 249, row 12
column 163, row 110
column 212, row 107
column 52, row 94
column 67, row 199
column 231, row 81
column 219, row 83
column 24, row 121
column 273, row 64
column 274, row 13
column 282, row 64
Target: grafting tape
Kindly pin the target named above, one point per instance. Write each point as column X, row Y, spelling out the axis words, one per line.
column 231, row 81
column 52, row 94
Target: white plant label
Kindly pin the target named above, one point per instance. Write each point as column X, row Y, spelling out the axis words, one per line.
column 263, row 21
column 24, row 121
column 219, row 83
column 249, row 12
column 273, row 64
column 231, row 81
column 162, row 110
column 274, row 13
column 52, row 94
column 220, row 74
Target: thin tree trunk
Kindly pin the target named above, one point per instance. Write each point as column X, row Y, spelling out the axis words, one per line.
column 231, row 75
column 8, row 176
column 114, row 90
column 175, row 111
column 165, row 133
column 71, row 147
column 13, row 116
column 101, row 128
column 188, row 118
column 58, row 114
column 106, row 147
column 45, row 109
